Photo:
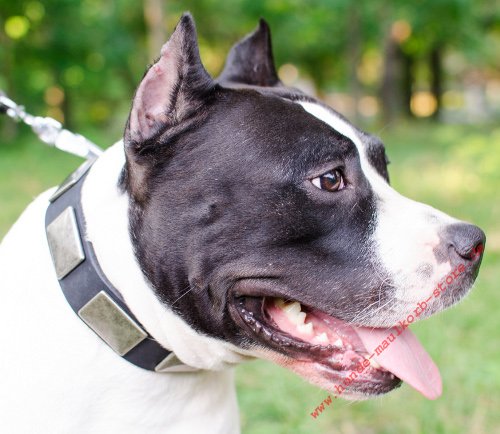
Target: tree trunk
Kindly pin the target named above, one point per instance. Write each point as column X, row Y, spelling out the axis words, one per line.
column 407, row 80
column 390, row 92
column 66, row 105
column 436, row 77
column 354, row 50
column 154, row 17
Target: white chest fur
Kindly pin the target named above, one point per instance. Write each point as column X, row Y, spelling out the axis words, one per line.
column 57, row 376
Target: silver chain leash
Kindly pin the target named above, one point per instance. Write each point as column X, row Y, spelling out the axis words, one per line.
column 50, row 131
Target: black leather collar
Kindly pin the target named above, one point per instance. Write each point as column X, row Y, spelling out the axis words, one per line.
column 86, row 288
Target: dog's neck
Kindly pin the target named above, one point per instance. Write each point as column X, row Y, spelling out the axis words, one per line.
column 106, row 213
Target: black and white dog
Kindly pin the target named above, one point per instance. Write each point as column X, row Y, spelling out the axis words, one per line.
column 239, row 218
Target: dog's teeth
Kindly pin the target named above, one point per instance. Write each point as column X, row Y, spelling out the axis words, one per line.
column 279, row 302
column 338, row 343
column 306, row 329
column 322, row 338
column 292, row 311
column 292, row 308
column 297, row 318
column 374, row 363
column 301, row 318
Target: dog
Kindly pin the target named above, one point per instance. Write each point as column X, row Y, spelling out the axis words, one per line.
column 237, row 219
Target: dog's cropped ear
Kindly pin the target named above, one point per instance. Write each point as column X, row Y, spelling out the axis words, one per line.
column 172, row 89
column 251, row 61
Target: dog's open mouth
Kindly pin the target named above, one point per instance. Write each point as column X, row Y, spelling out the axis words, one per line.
column 360, row 360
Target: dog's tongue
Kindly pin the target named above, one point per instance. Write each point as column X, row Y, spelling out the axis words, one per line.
column 405, row 358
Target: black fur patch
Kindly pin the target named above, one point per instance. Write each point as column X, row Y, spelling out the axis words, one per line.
column 229, row 200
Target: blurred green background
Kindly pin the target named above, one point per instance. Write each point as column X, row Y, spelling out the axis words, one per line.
column 424, row 75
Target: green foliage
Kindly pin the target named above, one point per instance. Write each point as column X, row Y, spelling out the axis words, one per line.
column 91, row 49
column 96, row 51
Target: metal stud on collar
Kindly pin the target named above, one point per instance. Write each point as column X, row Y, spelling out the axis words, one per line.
column 112, row 324
column 171, row 363
column 65, row 243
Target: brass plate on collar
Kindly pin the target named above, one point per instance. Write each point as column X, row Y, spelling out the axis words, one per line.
column 172, row 364
column 65, row 243
column 111, row 323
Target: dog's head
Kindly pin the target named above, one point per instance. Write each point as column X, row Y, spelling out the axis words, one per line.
column 264, row 218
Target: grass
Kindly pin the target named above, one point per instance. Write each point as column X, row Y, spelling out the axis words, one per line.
column 453, row 168
column 456, row 169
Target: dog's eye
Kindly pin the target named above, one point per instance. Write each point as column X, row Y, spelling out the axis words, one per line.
column 330, row 181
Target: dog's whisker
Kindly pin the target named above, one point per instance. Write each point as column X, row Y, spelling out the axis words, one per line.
column 187, row 292
column 366, row 313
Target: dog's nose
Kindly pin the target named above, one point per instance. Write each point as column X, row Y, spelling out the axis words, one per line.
column 467, row 240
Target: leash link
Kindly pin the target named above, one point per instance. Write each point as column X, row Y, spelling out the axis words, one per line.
column 50, row 131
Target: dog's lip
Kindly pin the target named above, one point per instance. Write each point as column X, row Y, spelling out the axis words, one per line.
column 264, row 288
column 260, row 286
column 335, row 363
column 406, row 359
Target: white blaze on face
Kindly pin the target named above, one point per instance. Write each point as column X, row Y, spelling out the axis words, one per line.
column 406, row 232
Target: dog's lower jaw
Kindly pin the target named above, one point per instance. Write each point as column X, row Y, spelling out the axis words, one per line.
column 329, row 354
